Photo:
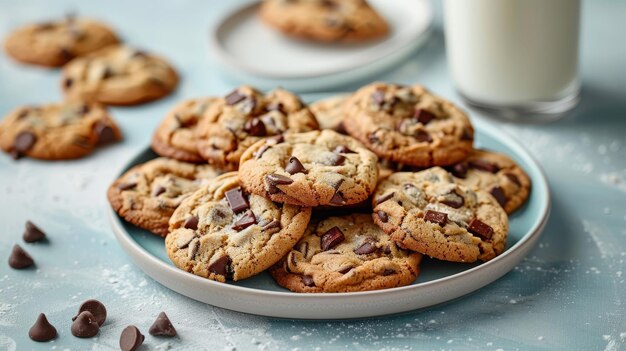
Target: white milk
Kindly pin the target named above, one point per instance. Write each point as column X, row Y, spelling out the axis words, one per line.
column 513, row 51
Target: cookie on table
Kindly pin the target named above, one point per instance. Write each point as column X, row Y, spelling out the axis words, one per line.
column 57, row 131
column 53, row 44
column 346, row 254
column 147, row 194
column 310, row 169
column 497, row 174
column 325, row 20
column 118, row 75
column 221, row 232
column 245, row 116
column 176, row 135
column 408, row 125
column 329, row 113
column 430, row 213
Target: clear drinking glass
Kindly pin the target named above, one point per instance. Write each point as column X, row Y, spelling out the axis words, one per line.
column 517, row 59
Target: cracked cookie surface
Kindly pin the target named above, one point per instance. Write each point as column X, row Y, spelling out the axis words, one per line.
column 329, row 112
column 430, row 213
column 310, row 169
column 346, row 254
column 220, row 232
column 147, row 194
column 408, row 125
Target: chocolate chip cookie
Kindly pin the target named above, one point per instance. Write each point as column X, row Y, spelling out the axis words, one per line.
column 57, row 131
column 53, row 44
column 346, row 254
column 329, row 113
column 310, row 169
column 408, row 125
column 118, row 75
column 245, row 116
column 325, row 20
column 147, row 194
column 495, row 173
column 176, row 135
column 221, row 232
column 430, row 213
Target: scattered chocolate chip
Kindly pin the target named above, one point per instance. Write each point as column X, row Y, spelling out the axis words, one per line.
column 436, row 217
column 423, row 116
column 32, row 233
column 158, row 190
column 333, row 237
column 388, row 271
column 236, row 200
column 295, row 166
column 24, row 141
column 512, row 177
column 162, row 326
column 42, row 330
column 423, row 136
column 255, row 127
column 97, row 310
column 307, row 280
column 336, row 159
column 126, row 186
column 221, row 266
column 131, row 338
column 345, row 270
column 19, row 258
column 105, row 133
column 383, row 216
column 480, row 229
column 244, row 222
column 234, row 97
column 67, row 83
column 459, row 170
column 378, row 97
column 337, row 199
column 453, row 200
column 366, row 248
column 384, row 198
column 342, row 149
column 85, row 325
column 484, row 166
column 498, row 193
column 191, row 223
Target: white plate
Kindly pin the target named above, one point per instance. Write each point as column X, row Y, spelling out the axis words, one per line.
column 252, row 52
column 438, row 282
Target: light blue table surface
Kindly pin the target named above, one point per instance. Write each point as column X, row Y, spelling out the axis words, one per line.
column 567, row 294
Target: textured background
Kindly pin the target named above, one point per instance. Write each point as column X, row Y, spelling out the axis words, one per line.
column 567, row 294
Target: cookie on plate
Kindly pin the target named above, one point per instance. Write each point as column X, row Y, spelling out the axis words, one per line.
column 325, row 20
column 496, row 173
column 329, row 113
column 221, row 232
column 118, row 75
column 430, row 213
column 57, row 131
column 176, row 135
column 147, row 194
column 310, row 169
column 53, row 44
column 346, row 254
column 245, row 116
column 408, row 125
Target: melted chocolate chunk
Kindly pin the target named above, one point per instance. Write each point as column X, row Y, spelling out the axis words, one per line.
column 337, row 199
column 453, row 200
column 244, row 222
column 255, row 127
column 336, row 160
column 512, row 177
column 295, row 166
column 367, row 247
column 308, row 281
column 234, row 97
column 105, row 133
column 42, row 330
column 436, row 217
column 342, row 149
column 388, row 271
column 221, row 266
column 126, row 186
column 236, row 200
column 423, row 116
column 345, row 270
column 384, row 198
column 158, row 190
column 480, row 229
column 498, row 193
column 333, row 237
column 423, row 136
column 271, row 225
column 484, row 166
column 383, row 216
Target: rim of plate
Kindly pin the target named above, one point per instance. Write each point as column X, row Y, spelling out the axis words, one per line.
column 230, row 61
column 536, row 229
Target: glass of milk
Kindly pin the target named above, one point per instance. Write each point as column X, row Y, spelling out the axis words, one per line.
column 517, row 59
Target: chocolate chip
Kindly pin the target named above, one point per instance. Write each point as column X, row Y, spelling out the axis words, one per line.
column 383, row 216
column 158, row 190
column 131, row 338
column 191, row 223
column 388, row 271
column 276, row 179
column 83, row 109
column 387, row 250
column 244, row 222
column 42, row 330
column 484, row 166
column 378, row 97
column 307, row 280
column 126, row 186
column 275, row 106
column 480, row 229
column 236, row 200
column 193, row 248
column 107, row 73
column 261, row 151
column 366, row 248
column 384, row 198
column 512, row 177
column 337, row 199
column 453, row 200
column 85, row 325
column 162, row 326
column 336, row 160
column 342, row 149
column 295, row 166
column 340, row 128
column 19, row 258
column 345, row 270
column 255, row 127
column 24, row 141
column 66, row 54
column 105, row 133
column 304, row 248
column 32, row 233
column 67, row 83
column 234, row 97
column 422, row 136
column 423, row 116
column 221, row 266
column 271, row 225
column 97, row 310
column 498, row 193
column 467, row 135
column 459, row 170
column 333, row 237
column 436, row 217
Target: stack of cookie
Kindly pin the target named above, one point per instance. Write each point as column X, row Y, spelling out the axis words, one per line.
column 314, row 207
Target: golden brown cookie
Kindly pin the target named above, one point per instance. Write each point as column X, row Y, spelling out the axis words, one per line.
column 329, row 112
